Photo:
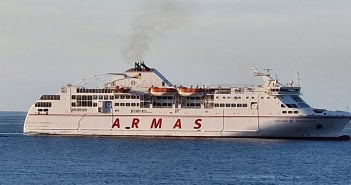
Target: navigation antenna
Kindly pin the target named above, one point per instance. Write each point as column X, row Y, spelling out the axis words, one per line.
column 268, row 70
column 298, row 79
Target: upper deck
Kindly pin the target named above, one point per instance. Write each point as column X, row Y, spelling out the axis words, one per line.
column 143, row 88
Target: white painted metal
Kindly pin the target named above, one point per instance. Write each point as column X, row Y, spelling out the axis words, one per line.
column 270, row 110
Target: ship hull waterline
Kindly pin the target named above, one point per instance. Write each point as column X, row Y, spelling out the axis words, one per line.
column 209, row 127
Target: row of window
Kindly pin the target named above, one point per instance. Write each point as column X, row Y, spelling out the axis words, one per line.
column 268, row 98
column 162, row 104
column 43, row 104
column 192, row 105
column 84, row 104
column 127, row 104
column 289, row 90
column 94, row 90
column 239, row 97
column 126, row 97
column 164, row 97
column 230, row 105
column 50, row 97
column 289, row 106
column 235, row 97
column 103, row 97
column 193, row 98
column 43, row 110
column 281, row 90
column 290, row 112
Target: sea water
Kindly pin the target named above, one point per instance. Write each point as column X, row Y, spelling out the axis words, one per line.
column 103, row 160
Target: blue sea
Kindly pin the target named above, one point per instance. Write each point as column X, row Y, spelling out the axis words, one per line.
column 102, row 160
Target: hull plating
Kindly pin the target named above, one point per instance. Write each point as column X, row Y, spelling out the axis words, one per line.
column 191, row 126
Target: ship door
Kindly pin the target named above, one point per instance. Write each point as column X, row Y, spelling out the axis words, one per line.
column 254, row 106
column 105, row 107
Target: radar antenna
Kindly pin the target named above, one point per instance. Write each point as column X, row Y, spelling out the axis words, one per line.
column 298, row 78
column 268, row 70
column 257, row 73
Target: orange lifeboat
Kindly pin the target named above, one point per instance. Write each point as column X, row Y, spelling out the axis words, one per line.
column 163, row 91
column 122, row 89
column 184, row 91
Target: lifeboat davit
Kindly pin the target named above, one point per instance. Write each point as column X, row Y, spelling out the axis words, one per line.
column 122, row 89
column 163, row 91
column 184, row 91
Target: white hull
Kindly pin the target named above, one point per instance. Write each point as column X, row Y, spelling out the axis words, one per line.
column 151, row 106
column 245, row 126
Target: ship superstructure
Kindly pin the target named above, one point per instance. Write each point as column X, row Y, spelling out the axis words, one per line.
column 142, row 102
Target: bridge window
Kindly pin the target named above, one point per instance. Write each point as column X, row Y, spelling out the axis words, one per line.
column 291, row 105
column 50, row 97
column 303, row 105
column 297, row 99
column 43, row 104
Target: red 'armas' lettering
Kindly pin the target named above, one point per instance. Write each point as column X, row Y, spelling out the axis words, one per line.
column 198, row 124
column 156, row 124
column 135, row 123
column 178, row 124
column 116, row 123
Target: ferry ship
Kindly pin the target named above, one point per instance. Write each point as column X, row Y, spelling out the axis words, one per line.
column 142, row 102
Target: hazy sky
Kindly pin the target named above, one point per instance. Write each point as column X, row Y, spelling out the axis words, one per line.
column 46, row 44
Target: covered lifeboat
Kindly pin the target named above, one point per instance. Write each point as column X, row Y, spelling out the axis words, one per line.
column 184, row 91
column 163, row 91
column 122, row 89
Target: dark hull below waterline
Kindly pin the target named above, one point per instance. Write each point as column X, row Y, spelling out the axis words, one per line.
column 339, row 138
